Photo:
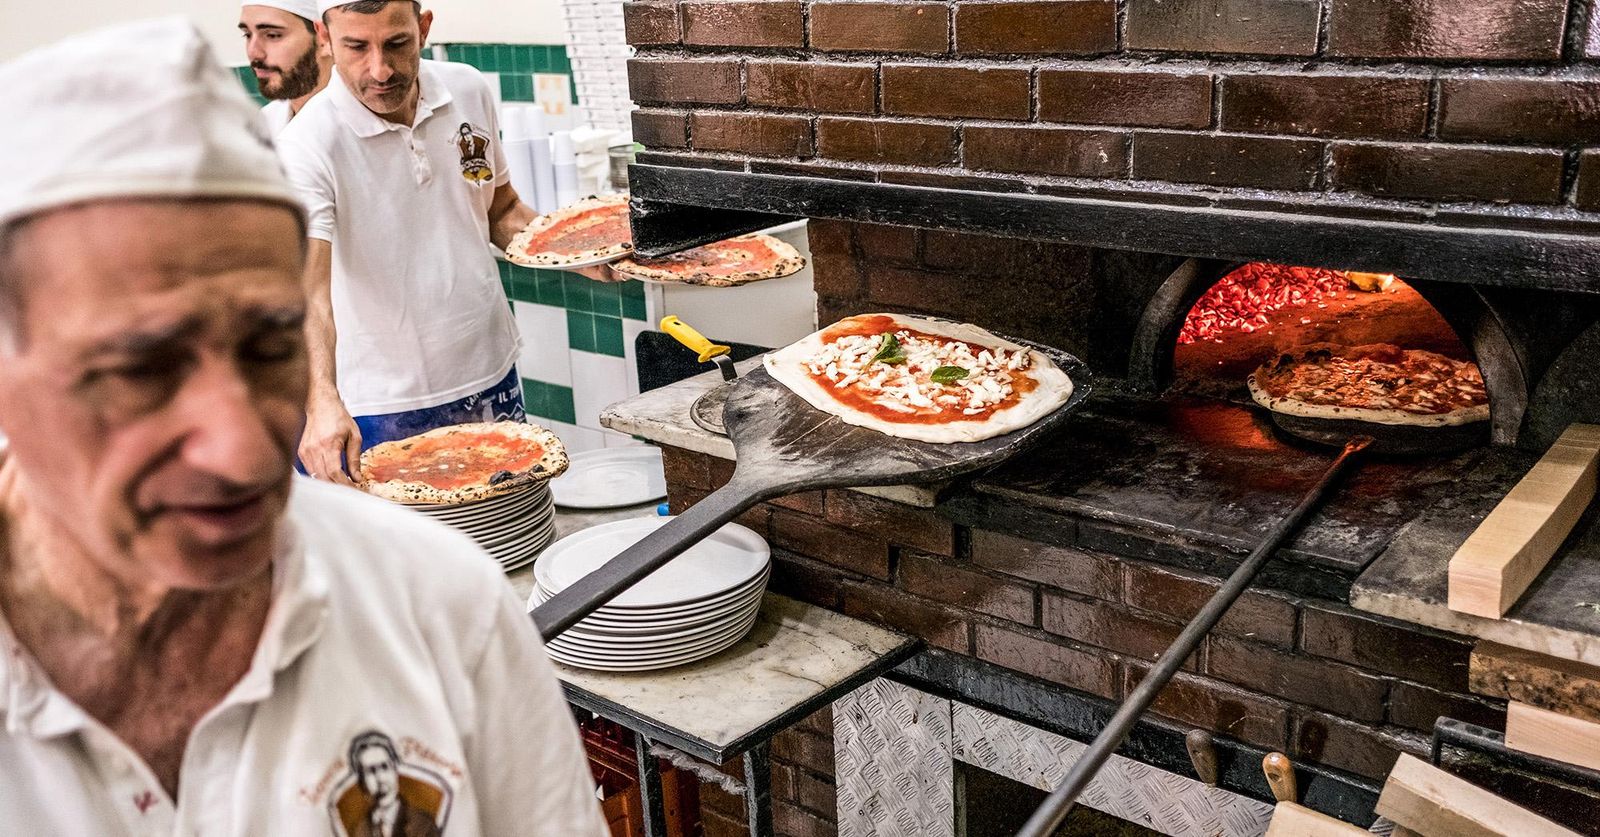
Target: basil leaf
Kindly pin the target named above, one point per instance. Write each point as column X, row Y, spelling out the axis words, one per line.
column 890, row 352
column 948, row 374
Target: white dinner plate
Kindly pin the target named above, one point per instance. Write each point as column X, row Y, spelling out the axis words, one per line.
column 635, row 655
column 653, row 664
column 576, row 636
column 611, row 478
column 728, row 558
column 656, row 618
column 522, row 495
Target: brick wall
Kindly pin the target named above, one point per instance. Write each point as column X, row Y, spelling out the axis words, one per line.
column 1315, row 679
column 1448, row 101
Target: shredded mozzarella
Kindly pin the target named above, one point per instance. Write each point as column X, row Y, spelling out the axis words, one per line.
column 907, row 387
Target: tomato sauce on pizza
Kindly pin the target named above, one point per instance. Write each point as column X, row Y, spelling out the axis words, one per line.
column 949, row 402
column 457, row 461
column 1381, row 382
column 592, row 229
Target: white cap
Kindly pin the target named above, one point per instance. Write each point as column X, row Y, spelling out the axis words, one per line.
column 304, row 8
column 135, row 110
column 324, row 5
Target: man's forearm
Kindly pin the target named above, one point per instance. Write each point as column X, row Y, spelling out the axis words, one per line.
column 320, row 335
column 508, row 216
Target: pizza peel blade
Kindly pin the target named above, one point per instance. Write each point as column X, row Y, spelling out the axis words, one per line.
column 783, row 446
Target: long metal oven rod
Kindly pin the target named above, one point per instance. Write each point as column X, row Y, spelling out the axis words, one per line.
column 1055, row 808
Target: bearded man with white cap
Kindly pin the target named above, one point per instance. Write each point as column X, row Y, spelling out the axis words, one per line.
column 290, row 59
column 191, row 640
column 402, row 171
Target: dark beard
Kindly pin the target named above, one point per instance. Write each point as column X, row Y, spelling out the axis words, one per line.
column 298, row 80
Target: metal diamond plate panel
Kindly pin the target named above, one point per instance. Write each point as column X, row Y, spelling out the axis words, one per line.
column 893, row 761
column 1132, row 790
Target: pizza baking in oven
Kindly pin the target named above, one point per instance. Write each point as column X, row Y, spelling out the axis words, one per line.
column 734, row 261
column 591, row 230
column 1380, row 383
column 462, row 463
column 921, row 378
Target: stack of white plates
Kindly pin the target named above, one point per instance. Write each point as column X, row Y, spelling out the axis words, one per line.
column 698, row 604
column 513, row 527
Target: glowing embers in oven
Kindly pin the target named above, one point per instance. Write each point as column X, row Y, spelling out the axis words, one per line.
column 1260, row 310
column 1244, row 300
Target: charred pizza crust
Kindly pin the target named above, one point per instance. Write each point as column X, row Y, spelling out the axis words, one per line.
column 551, row 464
column 784, row 261
column 517, row 250
column 1269, row 387
column 1050, row 387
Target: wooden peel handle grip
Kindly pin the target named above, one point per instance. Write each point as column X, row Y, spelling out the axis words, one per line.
column 1280, row 777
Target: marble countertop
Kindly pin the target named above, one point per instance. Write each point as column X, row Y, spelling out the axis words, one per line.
column 662, row 416
column 795, row 660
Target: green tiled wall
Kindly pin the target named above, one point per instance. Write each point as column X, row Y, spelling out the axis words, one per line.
column 595, row 310
column 516, row 64
column 550, row 401
column 247, row 77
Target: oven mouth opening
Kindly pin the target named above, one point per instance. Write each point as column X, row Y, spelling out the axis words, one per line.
column 1211, row 325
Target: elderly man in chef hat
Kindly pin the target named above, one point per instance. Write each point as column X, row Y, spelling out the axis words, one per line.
column 290, row 59
column 192, row 641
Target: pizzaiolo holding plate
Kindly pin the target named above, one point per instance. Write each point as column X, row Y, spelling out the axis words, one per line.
column 400, row 165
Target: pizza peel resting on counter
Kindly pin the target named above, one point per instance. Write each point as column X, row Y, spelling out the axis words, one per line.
column 783, row 445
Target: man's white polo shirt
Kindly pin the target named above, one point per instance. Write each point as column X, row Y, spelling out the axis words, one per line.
column 420, row 315
column 277, row 116
column 391, row 641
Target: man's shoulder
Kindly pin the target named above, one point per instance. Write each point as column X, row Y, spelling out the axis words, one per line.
column 364, row 538
column 314, row 126
column 460, row 79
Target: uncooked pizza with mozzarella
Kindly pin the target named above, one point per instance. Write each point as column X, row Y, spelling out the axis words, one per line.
column 1380, row 383
column 462, row 463
column 921, row 378
column 733, row 261
column 587, row 232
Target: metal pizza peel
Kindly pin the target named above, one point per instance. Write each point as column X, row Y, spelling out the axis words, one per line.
column 706, row 411
column 783, row 445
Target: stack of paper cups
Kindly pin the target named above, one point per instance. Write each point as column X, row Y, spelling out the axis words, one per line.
column 565, row 162
column 542, row 195
column 519, row 154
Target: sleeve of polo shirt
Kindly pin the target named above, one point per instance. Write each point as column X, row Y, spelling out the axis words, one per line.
column 313, row 180
column 529, row 769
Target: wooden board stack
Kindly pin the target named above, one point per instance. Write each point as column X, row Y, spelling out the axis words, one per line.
column 1512, row 545
column 1554, row 708
column 1434, row 803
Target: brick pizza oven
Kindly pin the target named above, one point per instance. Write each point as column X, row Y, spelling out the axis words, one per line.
column 1080, row 172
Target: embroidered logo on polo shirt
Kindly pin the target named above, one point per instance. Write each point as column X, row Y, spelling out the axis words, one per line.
column 385, row 795
column 474, row 145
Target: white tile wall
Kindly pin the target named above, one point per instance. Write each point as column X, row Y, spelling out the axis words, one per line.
column 575, row 439
column 544, row 343
column 604, row 381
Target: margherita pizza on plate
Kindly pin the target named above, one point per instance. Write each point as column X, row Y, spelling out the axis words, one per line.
column 1380, row 383
column 733, row 261
column 462, row 463
column 591, row 231
column 921, row 378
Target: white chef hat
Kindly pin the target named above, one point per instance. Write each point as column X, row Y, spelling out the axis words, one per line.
column 304, row 8
column 324, row 5
column 135, row 110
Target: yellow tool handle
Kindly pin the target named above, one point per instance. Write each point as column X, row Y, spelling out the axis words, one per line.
column 694, row 340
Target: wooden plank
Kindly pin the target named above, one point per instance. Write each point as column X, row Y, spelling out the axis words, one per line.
column 1402, row 831
column 1293, row 820
column 1435, row 803
column 1553, row 735
column 1509, row 549
column 1564, row 686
